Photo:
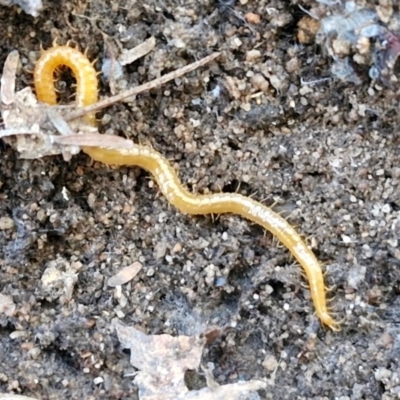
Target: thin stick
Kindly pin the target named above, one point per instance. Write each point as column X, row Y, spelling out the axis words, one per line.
column 142, row 88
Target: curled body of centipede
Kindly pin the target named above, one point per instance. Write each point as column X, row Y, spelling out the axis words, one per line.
column 167, row 179
column 82, row 69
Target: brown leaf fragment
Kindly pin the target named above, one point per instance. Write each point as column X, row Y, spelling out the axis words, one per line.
column 125, row 275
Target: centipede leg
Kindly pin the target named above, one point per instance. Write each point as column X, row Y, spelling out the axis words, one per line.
column 304, row 285
column 252, row 195
column 273, row 204
column 330, row 300
column 329, row 289
column 238, row 187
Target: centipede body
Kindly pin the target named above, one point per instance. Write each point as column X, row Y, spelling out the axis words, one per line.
column 167, row 179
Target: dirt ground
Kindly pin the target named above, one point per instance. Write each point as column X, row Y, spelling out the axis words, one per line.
column 269, row 118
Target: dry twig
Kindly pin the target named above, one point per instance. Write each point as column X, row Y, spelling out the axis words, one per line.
column 139, row 89
column 36, row 130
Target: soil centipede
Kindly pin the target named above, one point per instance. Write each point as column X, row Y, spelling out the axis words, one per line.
column 167, row 179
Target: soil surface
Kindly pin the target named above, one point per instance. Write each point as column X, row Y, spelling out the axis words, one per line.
column 270, row 119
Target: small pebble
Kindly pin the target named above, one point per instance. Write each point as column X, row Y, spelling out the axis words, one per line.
column 6, row 223
column 270, row 363
column 125, row 275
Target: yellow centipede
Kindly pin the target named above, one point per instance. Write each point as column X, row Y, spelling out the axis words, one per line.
column 167, row 179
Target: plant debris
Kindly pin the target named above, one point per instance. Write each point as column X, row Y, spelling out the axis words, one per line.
column 162, row 361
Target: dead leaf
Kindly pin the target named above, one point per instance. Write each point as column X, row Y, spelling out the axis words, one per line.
column 162, row 361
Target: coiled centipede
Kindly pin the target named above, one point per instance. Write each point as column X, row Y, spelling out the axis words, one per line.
column 167, row 179
column 82, row 68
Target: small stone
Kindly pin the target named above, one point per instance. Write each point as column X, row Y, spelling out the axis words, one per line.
column 99, row 380
column 307, row 29
column 177, row 248
column 292, row 65
column 385, row 341
column 355, row 276
column 253, row 18
column 235, row 43
column 270, row 362
column 259, row 82
column 91, row 200
column 253, row 55
column 6, row 223
column 382, row 374
column 346, row 239
column 269, row 289
column 341, row 47
column 7, row 305
column 276, row 82
column 18, row 334
column 34, row 353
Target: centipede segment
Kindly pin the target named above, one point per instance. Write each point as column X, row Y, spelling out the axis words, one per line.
column 168, row 181
column 82, row 69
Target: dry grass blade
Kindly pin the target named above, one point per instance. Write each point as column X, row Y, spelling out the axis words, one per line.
column 129, row 56
column 59, row 123
column 94, row 140
column 7, row 90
